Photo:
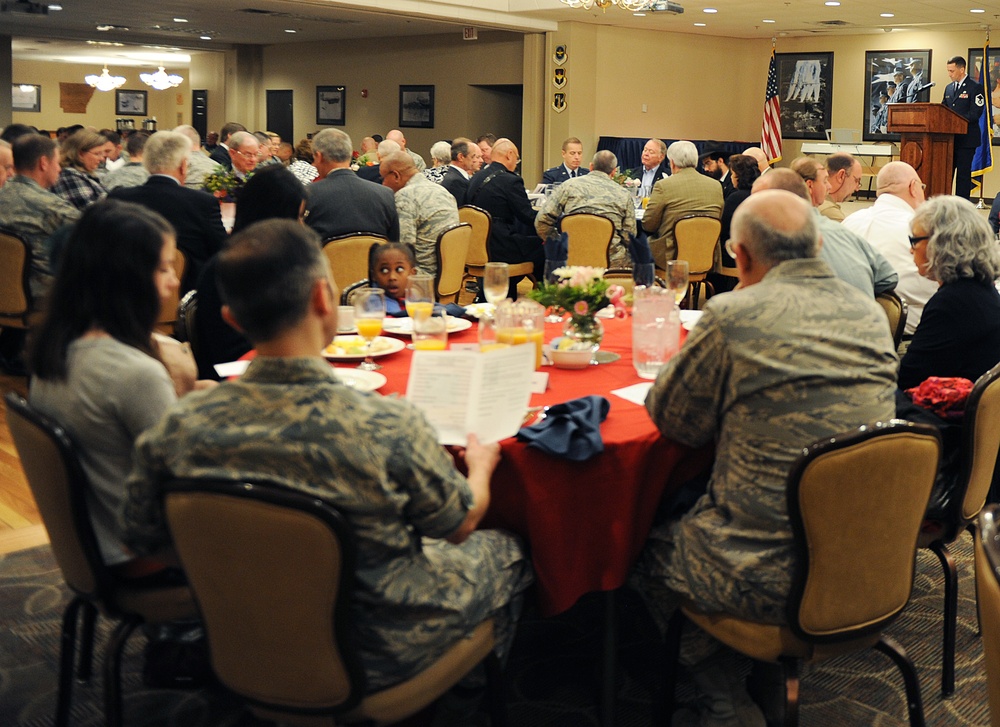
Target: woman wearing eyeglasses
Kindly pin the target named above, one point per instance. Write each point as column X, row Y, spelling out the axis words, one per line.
column 82, row 154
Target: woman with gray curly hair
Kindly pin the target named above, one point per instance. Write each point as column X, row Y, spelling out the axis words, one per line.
column 959, row 331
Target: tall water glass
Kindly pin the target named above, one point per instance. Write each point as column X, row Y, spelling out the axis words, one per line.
column 677, row 279
column 496, row 280
column 656, row 328
column 419, row 295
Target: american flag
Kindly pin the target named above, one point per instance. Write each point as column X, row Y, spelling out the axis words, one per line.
column 770, row 135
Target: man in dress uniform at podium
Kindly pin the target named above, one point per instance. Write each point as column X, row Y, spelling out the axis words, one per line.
column 965, row 97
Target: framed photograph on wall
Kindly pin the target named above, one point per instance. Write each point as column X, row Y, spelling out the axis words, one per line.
column 893, row 76
column 130, row 103
column 805, row 89
column 330, row 102
column 416, row 107
column 974, row 67
column 27, row 97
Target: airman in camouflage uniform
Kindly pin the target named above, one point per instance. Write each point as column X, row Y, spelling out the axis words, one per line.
column 597, row 194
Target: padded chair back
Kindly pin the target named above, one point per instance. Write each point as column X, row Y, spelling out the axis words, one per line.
column 696, row 237
column 349, row 293
column 185, row 330
column 15, row 290
column 451, row 252
column 168, row 307
column 981, row 431
column 987, row 547
column 588, row 238
column 481, row 223
column 855, row 573
column 280, row 645
column 348, row 256
column 895, row 310
column 59, row 486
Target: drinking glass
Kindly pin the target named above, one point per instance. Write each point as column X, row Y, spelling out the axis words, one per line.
column 496, row 279
column 419, row 295
column 430, row 330
column 369, row 311
column 677, row 278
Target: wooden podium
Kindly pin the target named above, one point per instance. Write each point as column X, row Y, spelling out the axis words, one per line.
column 928, row 141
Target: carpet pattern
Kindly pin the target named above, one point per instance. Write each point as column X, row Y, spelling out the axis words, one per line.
column 553, row 673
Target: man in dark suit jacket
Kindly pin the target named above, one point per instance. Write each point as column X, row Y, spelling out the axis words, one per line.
column 713, row 163
column 371, row 174
column 965, row 97
column 194, row 214
column 466, row 160
column 654, row 166
column 340, row 202
column 572, row 154
column 220, row 154
column 500, row 191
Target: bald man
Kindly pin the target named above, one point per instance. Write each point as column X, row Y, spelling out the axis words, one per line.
column 886, row 227
column 796, row 348
column 757, row 153
column 397, row 136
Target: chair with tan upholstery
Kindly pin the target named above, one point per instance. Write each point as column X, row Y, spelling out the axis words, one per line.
column 853, row 574
column 980, row 447
column 59, row 485
column 697, row 238
column 896, row 311
column 451, row 251
column 348, row 256
column 478, row 256
column 588, row 239
column 987, row 549
column 286, row 648
column 168, row 308
column 15, row 290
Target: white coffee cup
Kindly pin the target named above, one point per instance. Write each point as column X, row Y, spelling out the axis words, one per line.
column 345, row 318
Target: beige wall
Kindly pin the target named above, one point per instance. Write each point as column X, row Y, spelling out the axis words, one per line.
column 166, row 106
column 208, row 72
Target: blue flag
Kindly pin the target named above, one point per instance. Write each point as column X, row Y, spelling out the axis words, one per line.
column 982, row 161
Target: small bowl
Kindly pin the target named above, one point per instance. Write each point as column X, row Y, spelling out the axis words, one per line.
column 569, row 358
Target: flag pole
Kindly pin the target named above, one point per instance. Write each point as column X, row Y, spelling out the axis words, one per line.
column 984, row 79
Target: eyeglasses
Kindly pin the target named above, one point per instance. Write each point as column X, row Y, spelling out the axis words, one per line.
column 247, row 154
column 916, row 240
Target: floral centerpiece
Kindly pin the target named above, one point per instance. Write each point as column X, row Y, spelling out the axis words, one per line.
column 580, row 292
column 224, row 185
column 368, row 159
column 626, row 180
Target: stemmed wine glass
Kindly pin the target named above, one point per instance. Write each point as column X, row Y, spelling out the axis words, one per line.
column 496, row 280
column 677, row 279
column 369, row 311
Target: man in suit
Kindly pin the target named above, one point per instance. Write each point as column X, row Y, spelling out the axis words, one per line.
column 383, row 149
column 653, row 167
column 341, row 202
column 685, row 192
column 713, row 163
column 965, row 97
column 499, row 190
column 244, row 153
column 572, row 154
column 193, row 213
column 220, row 154
column 466, row 160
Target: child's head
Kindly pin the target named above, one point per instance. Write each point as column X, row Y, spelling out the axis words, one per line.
column 390, row 264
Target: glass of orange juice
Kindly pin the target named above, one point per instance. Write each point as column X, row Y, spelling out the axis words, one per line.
column 419, row 295
column 430, row 331
column 369, row 311
column 519, row 322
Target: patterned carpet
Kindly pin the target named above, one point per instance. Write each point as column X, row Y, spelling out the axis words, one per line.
column 553, row 672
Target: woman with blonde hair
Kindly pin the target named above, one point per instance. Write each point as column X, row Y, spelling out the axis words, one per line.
column 81, row 154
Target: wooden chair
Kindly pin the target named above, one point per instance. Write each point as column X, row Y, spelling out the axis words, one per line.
column 987, row 549
column 286, row 649
column 451, row 252
column 185, row 329
column 348, row 256
column 980, row 447
column 896, row 310
column 168, row 308
column 478, row 256
column 697, row 237
column 853, row 574
column 15, row 287
column 59, row 485
column 589, row 239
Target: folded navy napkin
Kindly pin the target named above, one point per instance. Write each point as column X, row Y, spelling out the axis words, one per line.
column 452, row 309
column 638, row 248
column 557, row 246
column 571, row 430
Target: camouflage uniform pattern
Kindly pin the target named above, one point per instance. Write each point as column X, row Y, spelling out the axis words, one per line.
column 425, row 211
column 597, row 194
column 199, row 167
column 417, row 160
column 378, row 461
column 132, row 174
column 767, row 370
column 34, row 214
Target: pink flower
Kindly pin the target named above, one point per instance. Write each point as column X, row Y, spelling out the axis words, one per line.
column 616, row 294
column 581, row 308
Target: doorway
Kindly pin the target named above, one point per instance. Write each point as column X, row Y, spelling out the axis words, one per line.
column 279, row 114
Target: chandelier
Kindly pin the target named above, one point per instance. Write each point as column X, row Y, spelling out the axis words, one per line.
column 160, row 80
column 105, row 81
column 630, row 5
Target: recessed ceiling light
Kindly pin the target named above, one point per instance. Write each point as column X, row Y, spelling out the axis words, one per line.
column 180, row 20
column 977, row 10
column 710, row 10
column 886, row 15
column 831, row 3
column 700, row 25
column 206, row 37
column 55, row 7
column 768, row 20
column 291, row 30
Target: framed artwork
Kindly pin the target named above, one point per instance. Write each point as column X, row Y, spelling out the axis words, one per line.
column 416, row 107
column 330, row 102
column 892, row 76
column 130, row 103
column 25, row 97
column 974, row 67
column 805, row 89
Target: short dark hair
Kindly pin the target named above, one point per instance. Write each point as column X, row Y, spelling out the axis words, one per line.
column 266, row 276
column 746, row 170
column 958, row 61
column 378, row 248
column 104, row 280
column 489, row 138
column 15, row 131
column 838, row 161
column 136, row 141
column 459, row 146
column 272, row 193
column 230, row 128
column 111, row 135
column 30, row 148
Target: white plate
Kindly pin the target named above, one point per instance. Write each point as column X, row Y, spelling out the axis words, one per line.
column 478, row 310
column 689, row 318
column 360, row 379
column 381, row 346
column 404, row 326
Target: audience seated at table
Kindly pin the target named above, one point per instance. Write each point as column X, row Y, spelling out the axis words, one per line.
column 572, row 155
column 466, row 160
column 390, row 265
column 744, row 172
column 302, row 166
column 441, row 158
column 80, row 155
column 794, row 356
column 425, row 576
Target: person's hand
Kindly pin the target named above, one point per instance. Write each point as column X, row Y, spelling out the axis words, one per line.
column 178, row 361
column 480, row 457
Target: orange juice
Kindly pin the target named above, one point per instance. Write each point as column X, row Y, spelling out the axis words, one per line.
column 419, row 309
column 368, row 328
column 514, row 336
column 429, row 344
column 483, row 348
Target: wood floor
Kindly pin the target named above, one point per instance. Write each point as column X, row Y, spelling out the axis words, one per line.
column 20, row 523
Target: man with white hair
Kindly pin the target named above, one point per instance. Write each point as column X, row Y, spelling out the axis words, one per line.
column 199, row 164
column 374, row 173
column 886, row 226
column 244, row 152
column 397, row 136
column 194, row 214
column 685, row 192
